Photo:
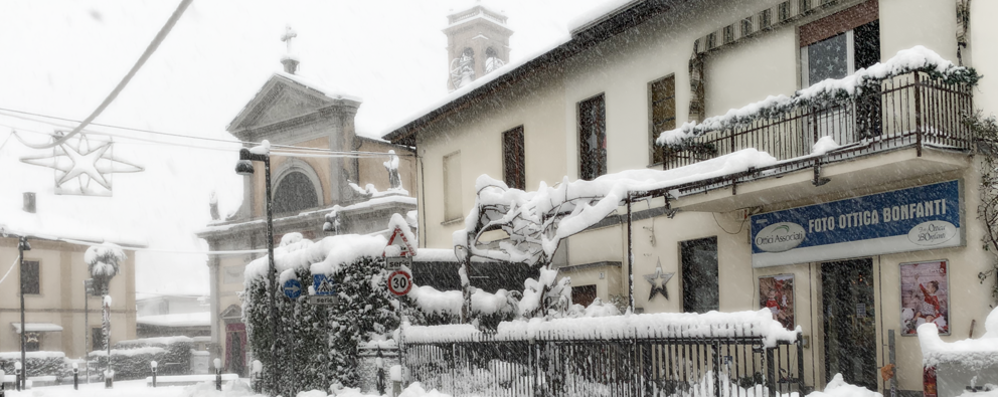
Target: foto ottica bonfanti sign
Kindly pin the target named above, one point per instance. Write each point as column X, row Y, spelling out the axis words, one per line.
column 918, row 218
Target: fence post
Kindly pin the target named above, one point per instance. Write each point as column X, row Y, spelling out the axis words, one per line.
column 801, row 386
column 770, row 372
column 716, row 347
column 918, row 117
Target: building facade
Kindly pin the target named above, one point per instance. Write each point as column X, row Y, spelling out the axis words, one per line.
column 596, row 104
column 59, row 314
column 348, row 181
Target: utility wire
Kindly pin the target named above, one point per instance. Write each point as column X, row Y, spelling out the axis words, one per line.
column 326, row 153
column 124, row 81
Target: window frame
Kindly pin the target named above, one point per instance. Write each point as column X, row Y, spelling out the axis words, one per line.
column 514, row 172
column 37, row 266
column 584, row 158
column 452, row 211
column 653, row 129
column 685, row 274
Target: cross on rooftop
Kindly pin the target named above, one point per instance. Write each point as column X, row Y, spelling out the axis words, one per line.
column 288, row 35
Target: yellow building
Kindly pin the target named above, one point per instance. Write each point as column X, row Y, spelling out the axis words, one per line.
column 595, row 105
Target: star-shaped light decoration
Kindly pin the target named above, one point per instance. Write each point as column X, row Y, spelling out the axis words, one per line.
column 658, row 281
column 83, row 161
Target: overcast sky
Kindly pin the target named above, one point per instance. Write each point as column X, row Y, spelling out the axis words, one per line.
column 62, row 58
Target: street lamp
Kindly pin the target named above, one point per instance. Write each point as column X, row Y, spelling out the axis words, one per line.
column 22, row 245
column 245, row 167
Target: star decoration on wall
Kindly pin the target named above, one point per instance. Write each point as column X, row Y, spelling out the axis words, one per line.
column 77, row 162
column 658, row 281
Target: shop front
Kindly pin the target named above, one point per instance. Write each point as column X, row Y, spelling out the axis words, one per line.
column 853, row 271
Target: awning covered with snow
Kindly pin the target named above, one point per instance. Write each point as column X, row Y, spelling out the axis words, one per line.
column 37, row 327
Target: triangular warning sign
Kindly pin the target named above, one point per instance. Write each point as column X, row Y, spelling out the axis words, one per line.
column 398, row 238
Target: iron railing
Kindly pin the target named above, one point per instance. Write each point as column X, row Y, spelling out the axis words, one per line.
column 637, row 366
column 909, row 109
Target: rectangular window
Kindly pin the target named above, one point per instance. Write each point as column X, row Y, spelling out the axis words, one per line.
column 583, row 295
column 96, row 339
column 784, row 11
column 700, row 276
column 805, row 6
column 32, row 341
column 662, row 94
column 452, row 187
column 729, row 34
column 513, row 159
column 765, row 19
column 30, row 278
column 831, row 49
column 592, row 137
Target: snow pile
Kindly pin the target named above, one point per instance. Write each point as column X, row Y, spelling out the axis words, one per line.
column 917, row 58
column 974, row 354
column 824, row 145
column 659, row 325
column 103, row 259
column 537, row 221
column 838, row 387
column 197, row 319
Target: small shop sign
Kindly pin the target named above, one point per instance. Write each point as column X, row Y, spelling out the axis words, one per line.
column 912, row 219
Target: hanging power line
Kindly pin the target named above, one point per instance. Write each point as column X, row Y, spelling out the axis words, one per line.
column 128, row 77
column 287, row 150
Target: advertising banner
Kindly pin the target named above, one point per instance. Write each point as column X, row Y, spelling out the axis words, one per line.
column 913, row 219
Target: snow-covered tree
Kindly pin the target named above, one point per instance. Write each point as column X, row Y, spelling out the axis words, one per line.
column 103, row 263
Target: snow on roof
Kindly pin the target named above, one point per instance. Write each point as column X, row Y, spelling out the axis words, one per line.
column 318, row 87
column 196, row 319
column 393, row 198
column 976, row 354
column 660, row 325
column 597, row 14
column 477, row 83
column 905, row 61
column 37, row 327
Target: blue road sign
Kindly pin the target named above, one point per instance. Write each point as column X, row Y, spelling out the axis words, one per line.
column 292, row 289
column 323, row 285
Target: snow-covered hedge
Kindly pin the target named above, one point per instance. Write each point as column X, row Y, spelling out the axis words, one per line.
column 975, row 354
column 659, row 325
column 42, row 363
column 320, row 341
column 131, row 359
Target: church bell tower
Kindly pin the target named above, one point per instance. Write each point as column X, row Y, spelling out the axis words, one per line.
column 477, row 44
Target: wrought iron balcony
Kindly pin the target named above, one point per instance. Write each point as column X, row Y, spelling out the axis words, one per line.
column 914, row 109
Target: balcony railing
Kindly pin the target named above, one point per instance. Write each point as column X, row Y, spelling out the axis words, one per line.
column 911, row 109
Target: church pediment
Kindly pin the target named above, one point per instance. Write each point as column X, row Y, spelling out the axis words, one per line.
column 280, row 99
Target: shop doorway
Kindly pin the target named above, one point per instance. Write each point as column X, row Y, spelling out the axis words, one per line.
column 850, row 333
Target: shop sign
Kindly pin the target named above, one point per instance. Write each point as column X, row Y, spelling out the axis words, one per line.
column 913, row 219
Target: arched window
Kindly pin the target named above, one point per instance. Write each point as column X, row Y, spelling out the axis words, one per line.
column 294, row 193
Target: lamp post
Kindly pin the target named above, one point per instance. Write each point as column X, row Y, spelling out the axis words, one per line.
column 22, row 245
column 245, row 167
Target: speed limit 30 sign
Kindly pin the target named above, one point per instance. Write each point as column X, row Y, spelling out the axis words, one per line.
column 399, row 282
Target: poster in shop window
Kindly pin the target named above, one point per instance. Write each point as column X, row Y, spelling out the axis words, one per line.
column 924, row 296
column 776, row 293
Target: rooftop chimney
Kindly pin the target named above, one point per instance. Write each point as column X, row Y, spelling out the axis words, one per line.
column 29, row 202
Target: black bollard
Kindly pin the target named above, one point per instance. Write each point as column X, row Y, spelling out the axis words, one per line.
column 218, row 374
column 76, row 377
column 2, row 375
column 153, row 365
column 17, row 375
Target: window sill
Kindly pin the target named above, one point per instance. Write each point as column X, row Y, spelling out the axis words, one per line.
column 451, row 221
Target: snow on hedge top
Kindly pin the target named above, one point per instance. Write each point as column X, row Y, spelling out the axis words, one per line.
column 659, row 325
column 570, row 207
column 324, row 256
column 973, row 353
column 917, row 58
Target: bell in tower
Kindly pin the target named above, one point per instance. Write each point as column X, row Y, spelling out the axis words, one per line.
column 477, row 43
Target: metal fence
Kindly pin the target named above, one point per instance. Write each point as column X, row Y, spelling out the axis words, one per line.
column 912, row 108
column 547, row 365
